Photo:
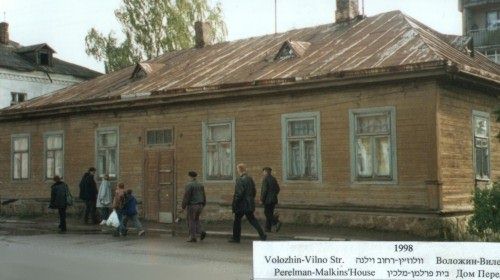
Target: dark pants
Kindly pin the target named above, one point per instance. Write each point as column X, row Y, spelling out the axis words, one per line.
column 121, row 228
column 62, row 219
column 251, row 219
column 90, row 210
column 193, row 217
column 135, row 221
column 271, row 220
column 104, row 213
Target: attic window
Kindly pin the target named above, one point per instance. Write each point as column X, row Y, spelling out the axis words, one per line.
column 143, row 69
column 292, row 49
column 286, row 53
column 44, row 58
column 137, row 75
column 18, row 97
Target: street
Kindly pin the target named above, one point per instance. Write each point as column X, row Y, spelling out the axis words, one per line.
column 102, row 256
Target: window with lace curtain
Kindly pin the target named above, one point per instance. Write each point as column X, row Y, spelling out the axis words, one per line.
column 301, row 143
column 20, row 157
column 481, row 127
column 218, row 144
column 54, row 154
column 373, row 145
column 107, row 152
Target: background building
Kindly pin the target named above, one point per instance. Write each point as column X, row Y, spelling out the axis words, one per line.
column 30, row 71
column 481, row 21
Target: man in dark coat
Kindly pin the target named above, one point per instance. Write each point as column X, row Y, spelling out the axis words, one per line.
column 58, row 200
column 88, row 193
column 269, row 198
column 194, row 200
column 244, row 204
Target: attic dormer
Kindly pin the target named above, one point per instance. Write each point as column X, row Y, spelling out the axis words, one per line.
column 41, row 54
column 144, row 69
column 292, row 49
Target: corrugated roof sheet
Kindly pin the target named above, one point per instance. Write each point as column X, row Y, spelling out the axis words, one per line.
column 387, row 41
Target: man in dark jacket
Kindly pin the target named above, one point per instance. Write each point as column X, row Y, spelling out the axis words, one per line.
column 58, row 200
column 194, row 200
column 88, row 193
column 269, row 198
column 244, row 204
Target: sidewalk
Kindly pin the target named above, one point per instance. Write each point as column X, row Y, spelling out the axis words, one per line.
column 48, row 224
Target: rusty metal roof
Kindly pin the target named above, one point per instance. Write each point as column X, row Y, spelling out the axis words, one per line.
column 371, row 45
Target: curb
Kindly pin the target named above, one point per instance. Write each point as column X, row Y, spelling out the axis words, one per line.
column 17, row 222
column 228, row 234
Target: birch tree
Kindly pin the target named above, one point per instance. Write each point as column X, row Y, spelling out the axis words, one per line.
column 151, row 28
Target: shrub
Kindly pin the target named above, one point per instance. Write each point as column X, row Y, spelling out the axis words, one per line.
column 486, row 217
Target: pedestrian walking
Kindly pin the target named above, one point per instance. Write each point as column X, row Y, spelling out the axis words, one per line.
column 130, row 213
column 194, row 200
column 244, row 204
column 118, row 204
column 88, row 193
column 104, row 199
column 59, row 200
column 269, row 198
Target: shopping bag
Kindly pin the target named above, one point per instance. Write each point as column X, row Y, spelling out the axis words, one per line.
column 113, row 220
column 69, row 198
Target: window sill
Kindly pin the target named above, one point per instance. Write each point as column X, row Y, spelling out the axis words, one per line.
column 302, row 181
column 21, row 181
column 373, row 183
column 483, row 179
column 218, row 181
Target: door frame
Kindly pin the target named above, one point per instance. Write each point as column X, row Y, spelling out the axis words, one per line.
column 173, row 193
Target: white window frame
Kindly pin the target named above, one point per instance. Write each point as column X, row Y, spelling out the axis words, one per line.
column 353, row 113
column 45, row 150
column 285, row 118
column 483, row 115
column 205, row 133
column 15, row 97
column 12, row 138
column 103, row 130
column 495, row 24
column 493, row 55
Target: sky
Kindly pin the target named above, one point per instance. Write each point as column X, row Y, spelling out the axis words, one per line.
column 63, row 24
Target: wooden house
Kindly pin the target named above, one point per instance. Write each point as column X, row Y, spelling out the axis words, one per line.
column 374, row 122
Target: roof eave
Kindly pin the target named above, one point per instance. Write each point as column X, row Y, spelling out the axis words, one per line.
column 161, row 98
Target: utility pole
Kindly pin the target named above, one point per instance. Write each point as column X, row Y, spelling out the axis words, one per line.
column 275, row 16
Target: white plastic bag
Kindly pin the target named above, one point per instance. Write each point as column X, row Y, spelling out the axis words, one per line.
column 113, row 220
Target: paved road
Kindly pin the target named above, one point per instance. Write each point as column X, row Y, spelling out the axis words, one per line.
column 101, row 256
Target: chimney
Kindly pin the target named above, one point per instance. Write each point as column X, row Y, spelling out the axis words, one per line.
column 4, row 33
column 203, row 36
column 346, row 10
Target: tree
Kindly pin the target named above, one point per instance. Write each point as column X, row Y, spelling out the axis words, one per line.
column 151, row 28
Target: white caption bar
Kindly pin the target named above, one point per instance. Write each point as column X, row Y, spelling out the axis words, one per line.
column 375, row 260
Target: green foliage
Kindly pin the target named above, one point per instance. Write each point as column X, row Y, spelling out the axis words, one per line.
column 115, row 56
column 486, row 217
column 151, row 28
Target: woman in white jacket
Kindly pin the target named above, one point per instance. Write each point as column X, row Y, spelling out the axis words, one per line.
column 104, row 198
